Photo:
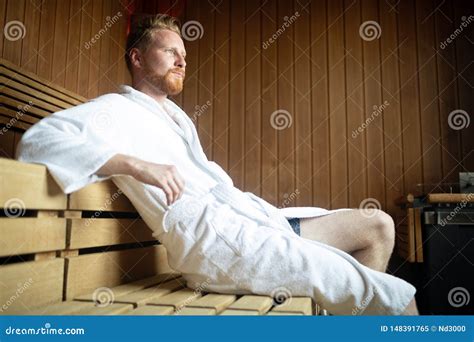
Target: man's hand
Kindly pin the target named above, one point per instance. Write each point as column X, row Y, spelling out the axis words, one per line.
column 165, row 177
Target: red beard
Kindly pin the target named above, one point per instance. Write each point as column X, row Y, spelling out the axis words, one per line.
column 169, row 83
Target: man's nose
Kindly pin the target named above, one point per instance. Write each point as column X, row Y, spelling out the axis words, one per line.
column 180, row 62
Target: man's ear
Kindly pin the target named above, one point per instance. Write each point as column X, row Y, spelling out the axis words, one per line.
column 136, row 57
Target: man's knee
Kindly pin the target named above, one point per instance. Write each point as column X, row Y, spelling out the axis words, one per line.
column 383, row 228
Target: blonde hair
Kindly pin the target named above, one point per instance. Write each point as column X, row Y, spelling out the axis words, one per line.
column 141, row 33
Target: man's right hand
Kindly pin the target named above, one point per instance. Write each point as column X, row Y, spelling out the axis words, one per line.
column 165, row 177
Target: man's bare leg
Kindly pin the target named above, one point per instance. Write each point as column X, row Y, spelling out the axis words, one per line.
column 367, row 235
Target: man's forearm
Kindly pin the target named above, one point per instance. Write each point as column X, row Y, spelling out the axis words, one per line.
column 118, row 164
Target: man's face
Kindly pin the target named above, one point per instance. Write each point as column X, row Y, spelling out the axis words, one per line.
column 164, row 63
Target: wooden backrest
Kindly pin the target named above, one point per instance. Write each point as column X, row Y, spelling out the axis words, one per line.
column 53, row 246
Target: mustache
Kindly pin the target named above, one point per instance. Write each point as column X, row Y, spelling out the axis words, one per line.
column 179, row 71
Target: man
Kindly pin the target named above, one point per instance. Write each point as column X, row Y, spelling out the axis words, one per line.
column 232, row 241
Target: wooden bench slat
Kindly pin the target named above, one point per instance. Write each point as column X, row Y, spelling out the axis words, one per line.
column 149, row 294
column 260, row 304
column 15, row 98
column 16, row 115
column 177, row 299
column 41, row 84
column 61, row 308
column 28, row 285
column 12, row 83
column 110, row 309
column 296, row 305
column 134, row 286
column 97, row 195
column 217, row 302
column 192, row 311
column 31, row 184
column 93, row 232
column 30, row 235
column 86, row 273
column 151, row 310
column 9, row 122
column 233, row 312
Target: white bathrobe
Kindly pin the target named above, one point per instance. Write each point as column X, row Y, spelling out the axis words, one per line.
column 220, row 238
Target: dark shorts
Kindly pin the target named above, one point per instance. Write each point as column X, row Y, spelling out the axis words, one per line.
column 295, row 224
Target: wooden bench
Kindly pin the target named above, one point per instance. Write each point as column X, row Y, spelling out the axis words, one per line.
column 87, row 253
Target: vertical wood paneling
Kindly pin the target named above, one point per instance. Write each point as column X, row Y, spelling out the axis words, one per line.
column 237, row 100
column 302, row 110
column 356, row 149
column 286, row 89
column 318, row 68
column 393, row 144
column 320, row 105
column 269, row 104
column 429, row 110
column 202, row 110
column 337, row 109
column 221, row 84
column 252, row 137
column 409, row 95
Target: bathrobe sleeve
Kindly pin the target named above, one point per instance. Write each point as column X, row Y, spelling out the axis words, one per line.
column 70, row 144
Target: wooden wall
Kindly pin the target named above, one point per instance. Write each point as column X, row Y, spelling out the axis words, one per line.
column 319, row 73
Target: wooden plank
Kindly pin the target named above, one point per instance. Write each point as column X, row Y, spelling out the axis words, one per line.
column 152, row 310
column 73, row 45
column 34, row 81
column 28, row 285
column 25, row 98
column 28, row 113
column 337, row 115
column 429, row 109
column 30, row 91
column 29, row 58
column 295, row 305
column 192, row 311
column 409, row 94
column 259, row 304
column 252, row 113
column 418, row 235
column 29, row 186
column 94, row 70
column 9, row 122
column 90, row 232
column 320, row 106
column 86, row 273
column 277, row 313
column 450, row 198
column 134, row 286
column 15, row 11
column 46, row 39
column 7, row 143
column 177, row 299
column 356, row 147
column 217, row 302
column 286, row 81
column 302, row 107
column 60, row 43
column 232, row 312
column 61, row 308
column 221, row 83
column 110, row 309
column 148, row 295
column 102, row 195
